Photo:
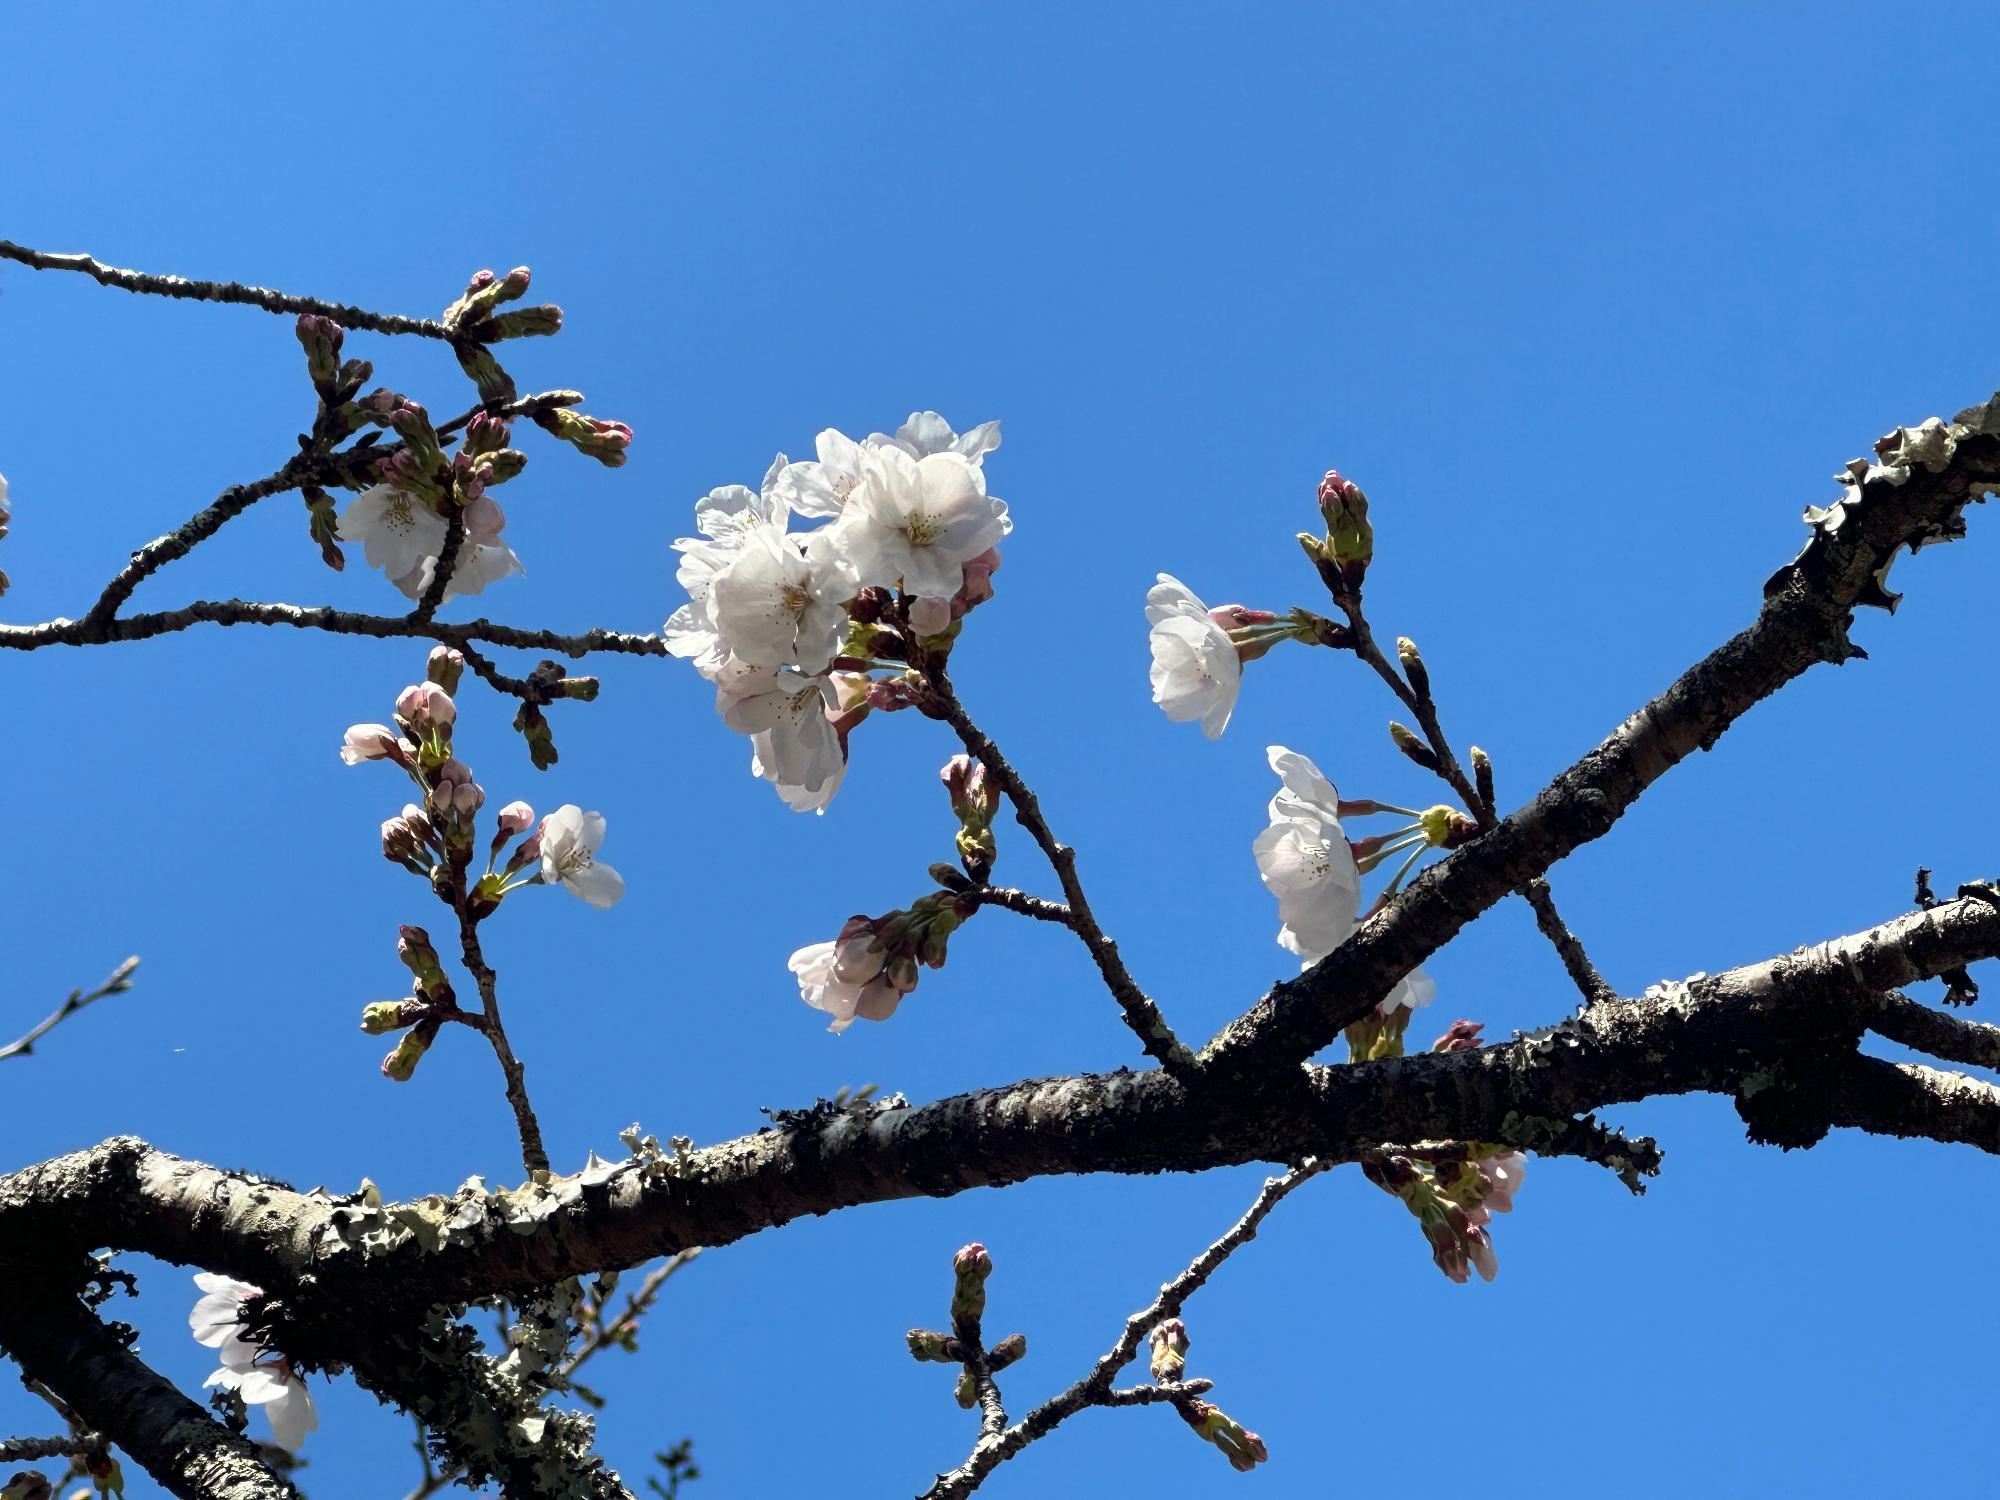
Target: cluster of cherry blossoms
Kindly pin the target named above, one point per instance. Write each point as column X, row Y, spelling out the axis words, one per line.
column 436, row 837
column 260, row 1375
column 412, row 496
column 1454, row 1201
column 792, row 626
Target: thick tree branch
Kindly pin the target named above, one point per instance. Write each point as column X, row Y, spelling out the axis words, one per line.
column 1737, row 1033
column 59, row 1342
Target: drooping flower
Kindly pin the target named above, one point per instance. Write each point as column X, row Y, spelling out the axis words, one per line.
column 482, row 557
column 785, row 712
column 1305, row 860
column 570, row 838
column 1504, row 1173
column 781, row 603
column 917, row 521
column 853, row 976
column 373, row 742
column 926, row 433
column 403, row 537
column 1196, row 670
column 261, row 1376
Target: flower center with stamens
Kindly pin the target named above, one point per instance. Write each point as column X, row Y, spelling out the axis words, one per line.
column 396, row 515
column 795, row 598
column 921, row 529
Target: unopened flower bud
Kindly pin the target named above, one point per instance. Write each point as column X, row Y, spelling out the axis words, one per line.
column 515, row 817
column 525, row 322
column 970, row 1268
column 578, row 689
column 1482, row 777
column 932, row 1347
column 27, row 1484
column 320, row 337
column 1410, row 745
column 1243, row 1448
column 426, row 705
column 1350, row 540
column 1413, row 666
column 1447, row 827
column 966, row 1393
column 445, row 666
column 604, row 441
column 1170, row 1344
column 929, row 616
column 978, row 585
column 1006, row 1352
column 401, row 1063
column 485, row 434
column 868, row 605
column 384, row 1016
column 1236, row 617
column 1462, row 1036
column 400, row 842
column 975, row 798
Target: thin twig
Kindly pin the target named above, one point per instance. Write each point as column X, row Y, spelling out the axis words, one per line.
column 190, row 534
column 637, row 1305
column 1095, row 1388
column 1039, row 907
column 154, row 285
column 143, row 627
column 534, row 1156
column 447, row 564
column 74, row 1445
column 1417, row 698
column 119, row 982
column 1141, row 1014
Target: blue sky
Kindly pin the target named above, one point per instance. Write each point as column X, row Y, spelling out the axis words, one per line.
column 1593, row 300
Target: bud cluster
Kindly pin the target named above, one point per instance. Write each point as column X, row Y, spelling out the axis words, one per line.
column 1454, row 1201
column 975, row 799
column 962, row 1346
column 476, row 324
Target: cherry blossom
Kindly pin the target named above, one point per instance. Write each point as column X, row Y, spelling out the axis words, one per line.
column 260, row 1375
column 403, row 536
column 917, row 521
column 373, row 742
column 1196, row 670
column 781, row 602
column 852, row 976
column 926, row 433
column 785, row 712
column 569, row 842
column 726, row 517
column 1305, row 860
column 482, row 557
column 819, row 487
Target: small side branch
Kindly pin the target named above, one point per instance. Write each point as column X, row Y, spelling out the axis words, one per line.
column 534, row 1155
column 1141, row 1014
column 119, row 982
column 1914, row 1024
column 1095, row 1389
column 1038, row 907
column 1576, row 963
column 151, row 284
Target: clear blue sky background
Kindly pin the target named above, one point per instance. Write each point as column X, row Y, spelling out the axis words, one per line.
column 1592, row 300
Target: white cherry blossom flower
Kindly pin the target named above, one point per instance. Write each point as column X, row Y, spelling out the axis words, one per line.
column 1505, row 1173
column 397, row 531
column 918, row 521
column 570, row 839
column 785, row 712
column 261, row 1376
column 1305, row 860
column 1415, row 990
column 1196, row 671
column 781, row 601
column 280, row 1390
column 851, row 976
column 819, row 487
column 926, row 433
column 726, row 518
column 482, row 557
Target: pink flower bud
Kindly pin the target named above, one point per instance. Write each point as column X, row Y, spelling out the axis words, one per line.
column 454, row 772
column 930, row 616
column 978, row 585
column 1236, row 617
column 444, row 667
column 1335, row 488
column 1463, row 1036
column 424, row 704
column 484, row 520
column 973, row 1261
column 373, row 742
column 515, row 817
column 467, row 798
